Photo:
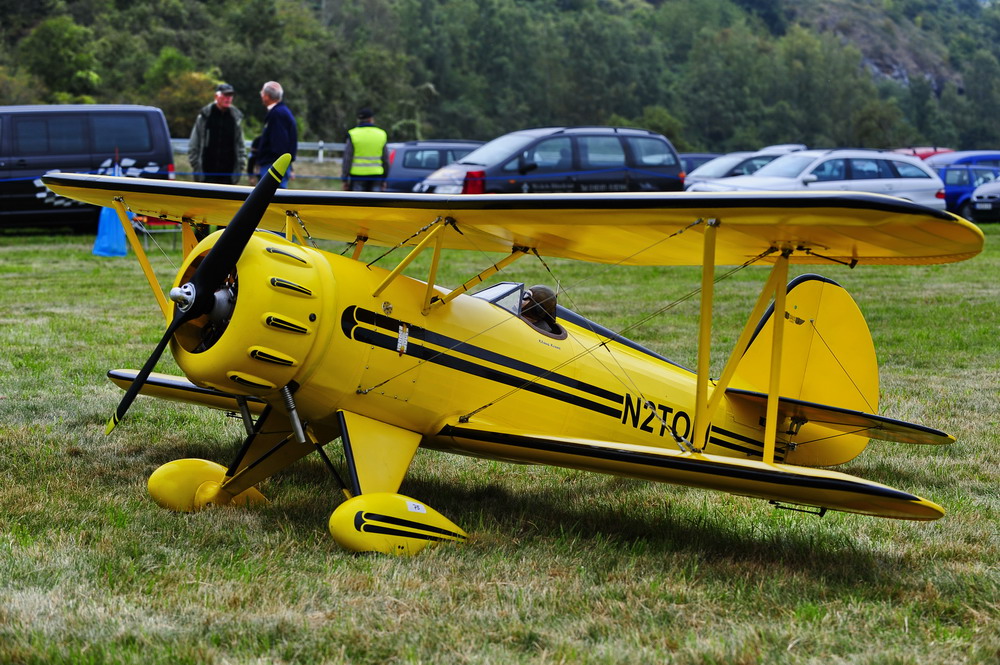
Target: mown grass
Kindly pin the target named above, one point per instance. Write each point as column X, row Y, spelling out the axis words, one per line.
column 562, row 566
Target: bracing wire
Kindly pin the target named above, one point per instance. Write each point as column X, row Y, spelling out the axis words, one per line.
column 841, row 365
column 592, row 348
column 416, row 233
column 454, row 225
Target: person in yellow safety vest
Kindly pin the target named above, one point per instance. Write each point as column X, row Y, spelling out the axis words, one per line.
column 366, row 159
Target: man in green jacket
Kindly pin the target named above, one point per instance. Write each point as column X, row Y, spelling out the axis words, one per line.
column 366, row 159
column 216, row 149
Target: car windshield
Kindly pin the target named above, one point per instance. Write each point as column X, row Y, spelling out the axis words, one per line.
column 786, row 166
column 719, row 166
column 497, row 149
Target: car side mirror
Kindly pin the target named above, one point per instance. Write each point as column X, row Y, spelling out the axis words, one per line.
column 809, row 178
column 526, row 166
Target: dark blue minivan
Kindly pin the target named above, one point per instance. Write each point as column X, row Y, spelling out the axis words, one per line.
column 564, row 159
column 74, row 138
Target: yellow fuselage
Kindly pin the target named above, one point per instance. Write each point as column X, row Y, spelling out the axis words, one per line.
column 307, row 318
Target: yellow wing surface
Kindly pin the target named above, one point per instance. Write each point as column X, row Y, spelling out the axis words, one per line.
column 627, row 228
column 783, row 483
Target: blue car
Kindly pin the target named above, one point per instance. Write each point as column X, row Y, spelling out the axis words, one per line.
column 961, row 173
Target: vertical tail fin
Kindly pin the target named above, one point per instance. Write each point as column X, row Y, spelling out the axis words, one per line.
column 829, row 358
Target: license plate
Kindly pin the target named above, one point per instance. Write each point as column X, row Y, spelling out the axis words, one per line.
column 984, row 206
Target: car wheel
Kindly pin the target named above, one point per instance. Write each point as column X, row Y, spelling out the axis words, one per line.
column 966, row 210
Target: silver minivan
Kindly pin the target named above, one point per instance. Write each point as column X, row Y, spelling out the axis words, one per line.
column 74, row 138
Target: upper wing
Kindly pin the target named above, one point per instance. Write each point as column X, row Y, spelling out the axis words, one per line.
column 628, row 229
column 778, row 482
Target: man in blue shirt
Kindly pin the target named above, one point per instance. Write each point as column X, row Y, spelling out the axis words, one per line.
column 280, row 133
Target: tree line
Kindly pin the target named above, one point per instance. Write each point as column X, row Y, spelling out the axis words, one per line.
column 713, row 75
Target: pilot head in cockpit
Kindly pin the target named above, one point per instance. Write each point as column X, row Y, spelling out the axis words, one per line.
column 538, row 307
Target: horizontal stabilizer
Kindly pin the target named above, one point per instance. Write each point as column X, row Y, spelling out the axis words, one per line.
column 784, row 483
column 179, row 389
column 845, row 420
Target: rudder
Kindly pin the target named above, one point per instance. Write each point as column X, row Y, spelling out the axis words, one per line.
column 828, row 358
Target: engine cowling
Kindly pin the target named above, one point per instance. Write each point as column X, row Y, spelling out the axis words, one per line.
column 264, row 322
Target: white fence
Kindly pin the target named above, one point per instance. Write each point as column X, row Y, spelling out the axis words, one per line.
column 308, row 151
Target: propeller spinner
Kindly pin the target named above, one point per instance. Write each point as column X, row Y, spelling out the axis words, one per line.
column 197, row 297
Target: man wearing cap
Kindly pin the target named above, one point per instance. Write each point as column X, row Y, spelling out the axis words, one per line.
column 216, row 150
column 366, row 159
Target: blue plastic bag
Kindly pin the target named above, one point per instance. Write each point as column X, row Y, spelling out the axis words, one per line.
column 110, row 234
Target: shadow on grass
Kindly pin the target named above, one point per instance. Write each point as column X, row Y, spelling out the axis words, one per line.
column 709, row 536
column 559, row 518
column 615, row 514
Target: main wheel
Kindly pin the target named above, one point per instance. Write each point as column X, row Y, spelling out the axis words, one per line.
column 187, row 485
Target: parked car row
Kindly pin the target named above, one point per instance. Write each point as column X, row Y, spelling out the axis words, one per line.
column 412, row 161
column 841, row 170
column 964, row 173
column 93, row 138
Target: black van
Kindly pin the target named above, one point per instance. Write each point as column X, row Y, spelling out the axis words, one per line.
column 74, row 138
column 564, row 159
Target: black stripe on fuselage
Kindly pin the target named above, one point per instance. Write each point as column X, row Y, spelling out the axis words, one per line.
column 468, row 367
column 741, row 444
column 676, row 463
column 353, row 316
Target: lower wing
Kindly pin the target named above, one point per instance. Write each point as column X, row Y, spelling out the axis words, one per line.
column 179, row 389
column 781, row 483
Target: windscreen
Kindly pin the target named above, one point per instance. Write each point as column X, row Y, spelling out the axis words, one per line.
column 498, row 149
column 719, row 166
column 788, row 166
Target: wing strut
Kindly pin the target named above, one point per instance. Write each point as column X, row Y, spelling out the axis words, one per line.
column 773, row 385
column 763, row 300
column 408, row 259
column 432, row 276
column 705, row 406
column 140, row 253
column 516, row 253
column 705, row 333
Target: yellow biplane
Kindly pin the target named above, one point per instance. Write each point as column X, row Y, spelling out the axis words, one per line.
column 311, row 347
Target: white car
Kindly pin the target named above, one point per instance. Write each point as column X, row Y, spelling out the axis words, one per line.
column 842, row 170
column 737, row 163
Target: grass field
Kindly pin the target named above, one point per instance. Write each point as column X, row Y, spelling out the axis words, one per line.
column 562, row 566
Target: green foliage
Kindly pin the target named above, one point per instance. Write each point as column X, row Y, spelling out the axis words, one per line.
column 729, row 74
column 657, row 119
column 983, row 95
column 60, row 53
column 17, row 87
column 167, row 67
column 182, row 98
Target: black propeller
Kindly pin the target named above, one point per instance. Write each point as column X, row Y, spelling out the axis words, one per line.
column 197, row 296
